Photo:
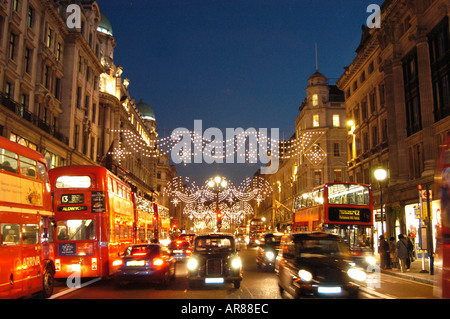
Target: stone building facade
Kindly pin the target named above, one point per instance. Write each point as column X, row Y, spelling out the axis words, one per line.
column 397, row 93
column 62, row 95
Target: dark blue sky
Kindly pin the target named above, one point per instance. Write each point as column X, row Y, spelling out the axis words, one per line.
column 231, row 63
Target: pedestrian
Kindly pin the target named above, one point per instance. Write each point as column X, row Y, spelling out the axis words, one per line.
column 393, row 252
column 383, row 250
column 402, row 251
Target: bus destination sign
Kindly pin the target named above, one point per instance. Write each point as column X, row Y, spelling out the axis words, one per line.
column 347, row 214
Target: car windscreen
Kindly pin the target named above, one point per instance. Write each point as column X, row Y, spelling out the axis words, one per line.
column 213, row 244
column 308, row 248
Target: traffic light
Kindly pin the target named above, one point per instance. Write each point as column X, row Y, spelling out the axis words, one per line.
column 219, row 218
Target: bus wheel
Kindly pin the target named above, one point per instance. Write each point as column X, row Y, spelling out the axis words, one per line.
column 48, row 282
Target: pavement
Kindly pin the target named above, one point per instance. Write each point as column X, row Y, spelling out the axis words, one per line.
column 415, row 272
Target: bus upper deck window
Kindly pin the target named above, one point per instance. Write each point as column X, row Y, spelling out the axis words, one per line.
column 73, row 182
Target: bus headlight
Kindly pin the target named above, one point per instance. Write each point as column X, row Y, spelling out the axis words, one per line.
column 305, row 275
column 357, row 274
column 192, row 264
column 270, row 255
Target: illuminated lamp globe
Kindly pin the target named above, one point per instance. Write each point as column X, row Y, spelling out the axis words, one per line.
column 380, row 174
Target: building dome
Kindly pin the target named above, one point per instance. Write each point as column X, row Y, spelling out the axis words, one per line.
column 317, row 78
column 146, row 111
column 105, row 26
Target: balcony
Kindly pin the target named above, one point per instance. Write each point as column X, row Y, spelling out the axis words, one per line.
column 32, row 118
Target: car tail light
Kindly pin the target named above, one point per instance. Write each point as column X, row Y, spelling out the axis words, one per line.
column 58, row 264
column 188, row 251
column 139, row 254
column 158, row 262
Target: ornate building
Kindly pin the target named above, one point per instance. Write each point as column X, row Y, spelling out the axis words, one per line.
column 321, row 124
column 397, row 93
column 62, row 94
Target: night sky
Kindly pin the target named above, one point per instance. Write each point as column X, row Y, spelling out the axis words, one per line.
column 231, row 63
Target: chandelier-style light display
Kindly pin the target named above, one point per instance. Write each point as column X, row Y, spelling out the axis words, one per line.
column 229, row 147
column 201, row 201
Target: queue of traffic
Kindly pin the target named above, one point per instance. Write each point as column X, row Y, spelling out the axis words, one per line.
column 85, row 220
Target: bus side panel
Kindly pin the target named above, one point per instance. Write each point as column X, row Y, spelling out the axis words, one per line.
column 10, row 263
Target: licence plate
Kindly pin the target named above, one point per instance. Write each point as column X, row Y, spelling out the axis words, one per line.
column 214, row 281
column 177, row 251
column 329, row 290
column 136, row 263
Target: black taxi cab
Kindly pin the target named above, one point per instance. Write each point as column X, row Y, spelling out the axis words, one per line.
column 317, row 264
column 214, row 260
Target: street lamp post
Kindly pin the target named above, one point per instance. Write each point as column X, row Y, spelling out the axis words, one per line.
column 380, row 176
column 217, row 184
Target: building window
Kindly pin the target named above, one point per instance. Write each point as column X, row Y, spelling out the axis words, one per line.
column 336, row 150
column 30, row 17
column 373, row 101
column 412, row 97
column 15, row 5
column 438, row 41
column 336, row 120
column 337, row 175
column 49, row 37
column 59, row 52
column 315, row 100
column 27, row 60
column 317, row 177
column 374, row 136
column 8, row 89
column 316, row 120
column 12, row 45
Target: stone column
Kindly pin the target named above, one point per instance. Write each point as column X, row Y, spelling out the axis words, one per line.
column 426, row 105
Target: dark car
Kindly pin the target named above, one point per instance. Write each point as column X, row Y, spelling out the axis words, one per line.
column 267, row 252
column 180, row 249
column 187, row 237
column 214, row 261
column 145, row 262
column 317, row 264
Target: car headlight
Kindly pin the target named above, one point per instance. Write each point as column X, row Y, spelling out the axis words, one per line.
column 270, row 255
column 305, row 275
column 192, row 264
column 357, row 274
column 371, row 260
column 236, row 263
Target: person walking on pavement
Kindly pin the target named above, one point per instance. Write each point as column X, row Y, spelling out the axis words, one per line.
column 393, row 252
column 383, row 250
column 402, row 251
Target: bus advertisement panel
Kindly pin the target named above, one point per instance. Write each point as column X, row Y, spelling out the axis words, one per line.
column 25, row 218
column 344, row 209
column 94, row 215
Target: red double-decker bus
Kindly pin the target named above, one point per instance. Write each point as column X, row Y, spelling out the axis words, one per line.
column 256, row 228
column 94, row 215
column 25, row 217
column 344, row 209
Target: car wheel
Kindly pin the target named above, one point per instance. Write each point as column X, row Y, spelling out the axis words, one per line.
column 166, row 278
column 174, row 272
column 237, row 284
